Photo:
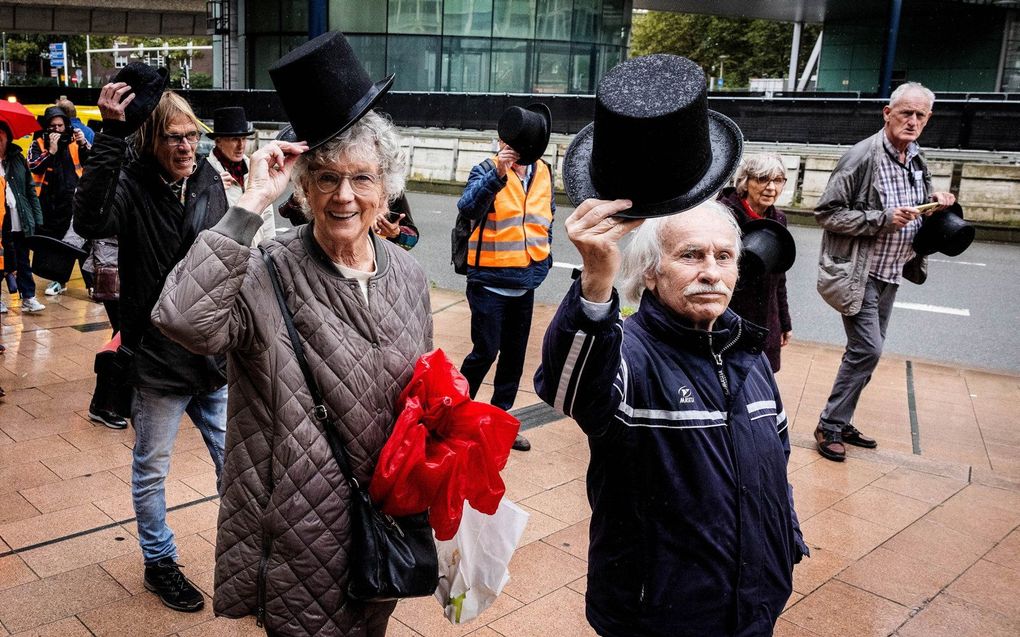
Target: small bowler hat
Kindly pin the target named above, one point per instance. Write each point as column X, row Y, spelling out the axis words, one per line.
column 52, row 258
column 148, row 84
column 324, row 88
column 653, row 140
column 944, row 231
column 526, row 130
column 230, row 121
column 768, row 248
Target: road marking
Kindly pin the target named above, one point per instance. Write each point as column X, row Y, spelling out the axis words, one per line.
column 938, row 309
column 439, row 212
column 561, row 264
column 955, row 262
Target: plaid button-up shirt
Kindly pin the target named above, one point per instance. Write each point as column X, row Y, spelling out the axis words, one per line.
column 900, row 185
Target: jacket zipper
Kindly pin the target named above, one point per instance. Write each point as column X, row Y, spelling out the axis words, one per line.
column 720, row 372
column 260, row 614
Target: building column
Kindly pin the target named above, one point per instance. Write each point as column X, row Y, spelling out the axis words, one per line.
column 791, row 78
column 317, row 18
column 889, row 59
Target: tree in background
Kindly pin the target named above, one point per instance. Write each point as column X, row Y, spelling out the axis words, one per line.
column 752, row 48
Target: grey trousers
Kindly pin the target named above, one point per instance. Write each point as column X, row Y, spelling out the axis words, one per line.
column 865, row 335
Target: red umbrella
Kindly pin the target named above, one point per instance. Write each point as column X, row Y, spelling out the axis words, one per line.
column 19, row 118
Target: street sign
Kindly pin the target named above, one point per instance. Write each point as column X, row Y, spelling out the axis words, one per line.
column 57, row 55
column 720, row 81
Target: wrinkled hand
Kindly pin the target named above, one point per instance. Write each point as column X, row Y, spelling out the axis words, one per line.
column 269, row 173
column 384, row 227
column 944, row 199
column 79, row 138
column 904, row 215
column 54, row 139
column 113, row 101
column 596, row 233
column 505, row 158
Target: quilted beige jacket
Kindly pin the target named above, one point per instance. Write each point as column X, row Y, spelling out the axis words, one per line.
column 284, row 533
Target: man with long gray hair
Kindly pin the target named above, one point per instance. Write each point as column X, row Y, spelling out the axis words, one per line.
column 869, row 216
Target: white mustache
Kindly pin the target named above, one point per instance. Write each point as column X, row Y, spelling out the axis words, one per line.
column 700, row 288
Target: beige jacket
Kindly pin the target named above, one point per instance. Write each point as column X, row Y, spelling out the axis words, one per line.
column 284, row 533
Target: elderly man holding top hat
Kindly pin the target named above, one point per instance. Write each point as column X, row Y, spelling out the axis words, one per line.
column 693, row 529
column 156, row 202
column 231, row 130
column 870, row 218
column 509, row 199
column 361, row 312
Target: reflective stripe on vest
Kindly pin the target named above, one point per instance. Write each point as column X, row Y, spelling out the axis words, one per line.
column 517, row 228
column 40, row 180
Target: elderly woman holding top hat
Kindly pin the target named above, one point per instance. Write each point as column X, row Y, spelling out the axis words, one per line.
column 760, row 297
column 361, row 310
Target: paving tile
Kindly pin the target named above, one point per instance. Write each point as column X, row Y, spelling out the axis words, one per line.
column 552, row 438
column 810, row 499
column 76, row 552
column 14, row 572
column 193, row 519
column 92, row 461
column 73, row 492
column 25, row 476
column 203, row 483
column 224, row 627
column 69, row 627
column 1007, row 552
column 519, row 483
column 98, row 436
column 44, row 601
column 845, row 477
column 788, row 629
column 549, row 469
column 937, row 544
column 538, row 569
column 559, row 613
column 975, row 512
column 49, row 526
column 14, row 507
column 34, row 449
column 573, row 540
column 920, row 486
column 424, row 616
column 539, row 526
column 793, row 599
column 140, row 616
column 991, row 586
column 886, row 508
column 120, row 506
column 68, row 403
column 839, row 610
column 895, row 576
column 818, row 569
column 948, row 616
column 567, row 502
column 850, row 536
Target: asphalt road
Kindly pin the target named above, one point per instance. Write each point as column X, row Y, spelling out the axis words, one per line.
column 967, row 313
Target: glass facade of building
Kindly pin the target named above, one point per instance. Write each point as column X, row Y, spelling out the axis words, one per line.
column 474, row 46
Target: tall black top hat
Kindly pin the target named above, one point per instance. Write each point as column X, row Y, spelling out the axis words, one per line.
column 230, row 121
column 653, row 140
column 148, row 84
column 944, row 231
column 526, row 130
column 324, row 88
column 768, row 248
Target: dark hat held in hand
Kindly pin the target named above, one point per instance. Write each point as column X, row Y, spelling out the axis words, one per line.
column 768, row 248
column 944, row 231
column 526, row 130
column 653, row 140
column 148, row 84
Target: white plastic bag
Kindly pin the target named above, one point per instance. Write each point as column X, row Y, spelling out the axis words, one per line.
column 473, row 565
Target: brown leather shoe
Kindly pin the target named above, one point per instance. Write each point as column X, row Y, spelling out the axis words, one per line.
column 830, row 445
column 521, row 444
column 854, row 437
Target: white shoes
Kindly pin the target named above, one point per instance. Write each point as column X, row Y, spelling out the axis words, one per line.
column 3, row 308
column 54, row 289
column 32, row 305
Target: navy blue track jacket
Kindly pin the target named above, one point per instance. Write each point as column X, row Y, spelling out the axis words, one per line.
column 693, row 531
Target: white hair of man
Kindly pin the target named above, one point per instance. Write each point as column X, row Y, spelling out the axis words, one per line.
column 763, row 165
column 644, row 253
column 912, row 87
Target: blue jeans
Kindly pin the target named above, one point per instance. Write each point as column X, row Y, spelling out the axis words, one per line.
column 500, row 325
column 156, row 416
column 16, row 257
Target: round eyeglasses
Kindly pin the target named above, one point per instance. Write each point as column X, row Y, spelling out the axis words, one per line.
column 328, row 181
column 191, row 137
column 766, row 180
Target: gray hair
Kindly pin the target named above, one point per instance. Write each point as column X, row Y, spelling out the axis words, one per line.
column 912, row 87
column 643, row 255
column 763, row 165
column 374, row 139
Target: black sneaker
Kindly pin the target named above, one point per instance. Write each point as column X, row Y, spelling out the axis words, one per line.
column 521, row 444
column 108, row 418
column 173, row 589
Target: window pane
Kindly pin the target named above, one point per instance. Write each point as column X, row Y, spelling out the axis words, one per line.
column 266, row 50
column 552, row 68
column 553, row 19
column 513, row 18
column 586, row 20
column 614, row 22
column 415, row 60
column 467, row 17
column 264, row 19
column 465, row 65
column 609, row 56
column 371, row 50
column 510, row 66
column 351, row 16
column 415, row 16
column 295, row 16
column 583, row 65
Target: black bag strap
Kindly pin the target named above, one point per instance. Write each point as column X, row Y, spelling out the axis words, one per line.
column 480, row 223
column 319, row 411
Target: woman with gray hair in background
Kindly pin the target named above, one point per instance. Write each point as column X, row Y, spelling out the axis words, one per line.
column 361, row 309
column 761, row 298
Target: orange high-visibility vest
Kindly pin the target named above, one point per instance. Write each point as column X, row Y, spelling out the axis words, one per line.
column 40, row 180
column 516, row 231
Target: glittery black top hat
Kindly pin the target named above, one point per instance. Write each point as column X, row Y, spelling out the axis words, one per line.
column 526, row 130
column 653, row 140
column 324, row 88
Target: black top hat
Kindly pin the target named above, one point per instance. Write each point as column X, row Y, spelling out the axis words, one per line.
column 768, row 248
column 526, row 130
column 324, row 88
column 148, row 84
column 230, row 121
column 653, row 140
column 944, row 231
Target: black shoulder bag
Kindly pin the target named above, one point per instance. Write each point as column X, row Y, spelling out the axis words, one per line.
column 390, row 558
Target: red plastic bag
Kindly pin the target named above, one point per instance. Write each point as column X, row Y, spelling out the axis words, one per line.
column 445, row 448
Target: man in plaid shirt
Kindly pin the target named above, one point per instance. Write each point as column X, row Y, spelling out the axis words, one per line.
column 869, row 216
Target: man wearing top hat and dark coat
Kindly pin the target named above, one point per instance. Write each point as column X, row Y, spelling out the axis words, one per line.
column 231, row 130
column 156, row 202
column 509, row 198
column 869, row 216
column 693, row 529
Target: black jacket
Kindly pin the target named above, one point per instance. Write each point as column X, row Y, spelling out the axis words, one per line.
column 133, row 202
column 61, row 178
